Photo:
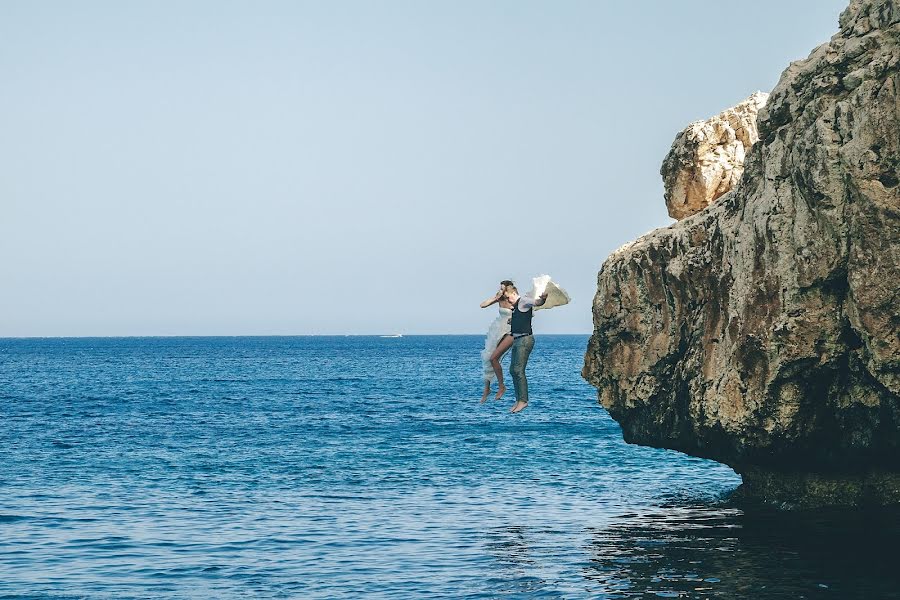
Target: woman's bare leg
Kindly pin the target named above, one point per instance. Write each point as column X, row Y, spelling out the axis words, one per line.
column 501, row 349
column 487, row 390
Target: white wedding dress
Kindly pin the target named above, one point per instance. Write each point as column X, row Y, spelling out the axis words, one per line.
column 499, row 327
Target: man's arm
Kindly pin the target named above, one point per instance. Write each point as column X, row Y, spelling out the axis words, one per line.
column 527, row 302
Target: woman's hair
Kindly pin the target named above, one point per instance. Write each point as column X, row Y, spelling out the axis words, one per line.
column 509, row 285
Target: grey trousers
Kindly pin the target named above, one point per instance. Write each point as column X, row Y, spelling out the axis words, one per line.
column 521, row 350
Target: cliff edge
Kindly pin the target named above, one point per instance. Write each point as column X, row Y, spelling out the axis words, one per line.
column 764, row 331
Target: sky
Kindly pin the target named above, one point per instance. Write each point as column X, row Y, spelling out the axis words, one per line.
column 344, row 167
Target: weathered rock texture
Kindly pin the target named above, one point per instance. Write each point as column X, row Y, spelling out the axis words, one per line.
column 763, row 332
column 707, row 158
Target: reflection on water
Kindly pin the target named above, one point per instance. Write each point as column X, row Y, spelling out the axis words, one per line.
column 721, row 552
column 705, row 551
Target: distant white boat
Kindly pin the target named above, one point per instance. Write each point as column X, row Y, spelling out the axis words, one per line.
column 396, row 335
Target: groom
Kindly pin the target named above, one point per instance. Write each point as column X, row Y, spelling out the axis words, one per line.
column 523, row 342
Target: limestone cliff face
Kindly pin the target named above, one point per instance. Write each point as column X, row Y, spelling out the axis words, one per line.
column 764, row 331
column 707, row 158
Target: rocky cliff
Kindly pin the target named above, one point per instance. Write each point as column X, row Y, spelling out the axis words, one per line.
column 707, row 158
column 764, row 331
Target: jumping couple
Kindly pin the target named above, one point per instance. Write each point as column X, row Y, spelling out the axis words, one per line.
column 512, row 328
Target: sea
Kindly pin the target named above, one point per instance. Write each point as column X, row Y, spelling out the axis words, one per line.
column 365, row 467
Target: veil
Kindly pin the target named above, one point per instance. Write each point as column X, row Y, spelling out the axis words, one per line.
column 556, row 296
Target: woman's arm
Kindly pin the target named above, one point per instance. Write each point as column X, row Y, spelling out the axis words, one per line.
column 495, row 298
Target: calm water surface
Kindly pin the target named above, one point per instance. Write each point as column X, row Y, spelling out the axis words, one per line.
column 363, row 466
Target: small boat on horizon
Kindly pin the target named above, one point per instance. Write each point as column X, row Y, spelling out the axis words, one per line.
column 396, row 335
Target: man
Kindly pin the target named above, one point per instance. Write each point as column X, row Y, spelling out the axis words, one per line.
column 523, row 342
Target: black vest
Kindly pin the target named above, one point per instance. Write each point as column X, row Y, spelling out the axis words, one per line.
column 521, row 321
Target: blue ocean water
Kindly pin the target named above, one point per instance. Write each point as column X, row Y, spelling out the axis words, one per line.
column 323, row 467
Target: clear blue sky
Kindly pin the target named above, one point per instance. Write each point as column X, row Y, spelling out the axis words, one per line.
column 217, row 168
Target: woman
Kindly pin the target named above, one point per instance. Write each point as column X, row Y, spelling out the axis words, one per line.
column 498, row 340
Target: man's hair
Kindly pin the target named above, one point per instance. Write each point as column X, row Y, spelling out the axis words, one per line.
column 507, row 283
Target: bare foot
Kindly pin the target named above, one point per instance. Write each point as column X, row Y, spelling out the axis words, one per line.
column 518, row 407
column 485, row 395
column 500, row 391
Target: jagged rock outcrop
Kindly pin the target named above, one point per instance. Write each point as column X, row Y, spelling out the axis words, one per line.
column 707, row 158
column 763, row 331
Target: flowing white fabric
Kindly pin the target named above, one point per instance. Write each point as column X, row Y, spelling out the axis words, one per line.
column 556, row 296
column 499, row 327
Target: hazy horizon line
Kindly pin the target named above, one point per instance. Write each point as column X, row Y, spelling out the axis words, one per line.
column 252, row 335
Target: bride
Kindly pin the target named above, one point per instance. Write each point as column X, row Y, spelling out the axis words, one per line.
column 498, row 340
